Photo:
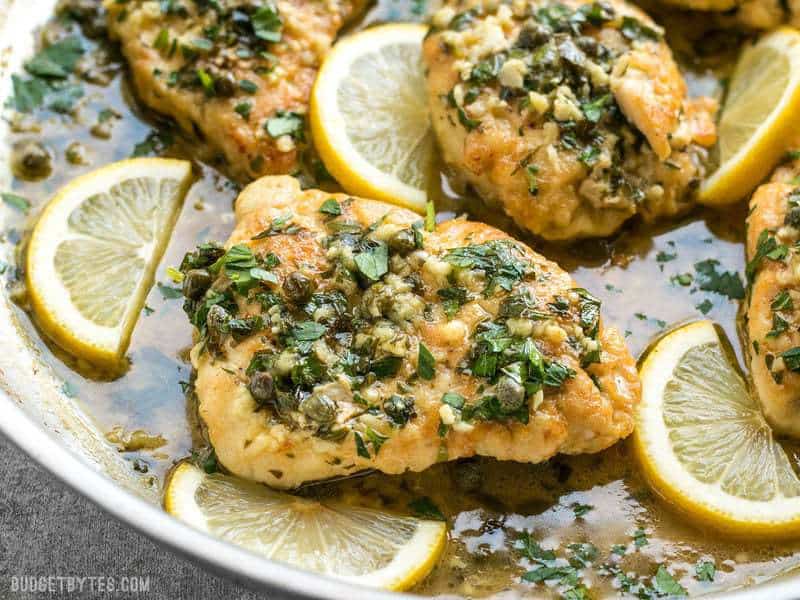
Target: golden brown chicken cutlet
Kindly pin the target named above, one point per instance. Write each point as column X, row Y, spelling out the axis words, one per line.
column 336, row 334
column 773, row 310
column 571, row 115
column 747, row 14
column 235, row 75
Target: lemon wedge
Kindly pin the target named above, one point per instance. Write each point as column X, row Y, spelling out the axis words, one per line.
column 360, row 545
column 94, row 250
column 703, row 443
column 369, row 115
column 760, row 117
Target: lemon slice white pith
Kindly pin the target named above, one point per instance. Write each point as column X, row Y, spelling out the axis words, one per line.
column 93, row 252
column 360, row 545
column 760, row 118
column 369, row 115
column 704, row 444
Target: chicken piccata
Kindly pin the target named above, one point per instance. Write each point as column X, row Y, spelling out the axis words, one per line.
column 235, row 75
column 572, row 116
column 337, row 334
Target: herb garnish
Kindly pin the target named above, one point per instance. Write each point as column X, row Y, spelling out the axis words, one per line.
column 331, row 207
column 705, row 570
column 285, row 122
column 267, row 23
column 281, row 225
column 500, row 260
column 425, row 363
column 373, row 262
column 425, row 508
column 728, row 283
column 766, row 247
column 16, row 201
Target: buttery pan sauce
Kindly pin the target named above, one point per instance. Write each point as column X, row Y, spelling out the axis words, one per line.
column 594, row 512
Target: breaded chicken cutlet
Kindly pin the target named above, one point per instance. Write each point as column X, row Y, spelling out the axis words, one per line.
column 336, row 334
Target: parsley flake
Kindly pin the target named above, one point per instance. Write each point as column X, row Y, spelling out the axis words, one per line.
column 426, row 364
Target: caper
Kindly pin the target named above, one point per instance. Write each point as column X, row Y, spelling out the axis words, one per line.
column 102, row 129
column 400, row 409
column 31, row 160
column 76, row 154
column 195, row 283
column 217, row 318
column 533, row 36
column 87, row 13
column 319, row 408
column 225, row 85
column 510, row 394
column 403, row 241
column 297, row 287
column 793, row 217
column 588, row 44
column 261, row 387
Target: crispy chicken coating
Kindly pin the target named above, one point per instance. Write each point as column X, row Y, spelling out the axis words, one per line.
column 335, row 334
column 773, row 309
column 572, row 116
column 749, row 14
column 236, row 75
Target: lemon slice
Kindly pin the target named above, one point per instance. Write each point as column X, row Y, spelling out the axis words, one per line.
column 760, row 117
column 360, row 545
column 369, row 115
column 94, row 250
column 704, row 444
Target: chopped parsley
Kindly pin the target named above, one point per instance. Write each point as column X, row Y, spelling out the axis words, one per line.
column 285, row 123
column 426, row 364
column 57, row 60
column 243, row 109
column 581, row 510
column 267, row 23
column 168, row 292
column 705, row 306
column 425, row 508
column 373, row 262
column 16, row 201
column 453, row 399
column 640, row 538
column 331, row 207
column 49, row 69
column 727, row 283
column 248, row 86
column 453, row 298
column 531, row 172
column 766, row 247
column 282, row 225
column 782, row 301
column 500, row 261
column 791, row 358
column 705, row 570
column 594, row 110
column 308, row 331
column 666, row 585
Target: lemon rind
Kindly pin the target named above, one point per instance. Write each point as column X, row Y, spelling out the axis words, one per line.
column 104, row 346
column 353, row 172
column 402, row 573
column 702, row 502
column 754, row 161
